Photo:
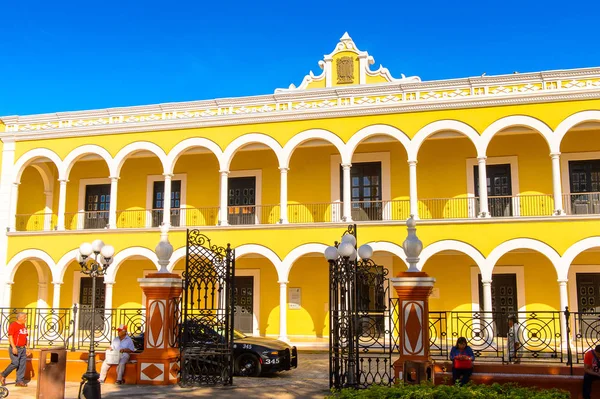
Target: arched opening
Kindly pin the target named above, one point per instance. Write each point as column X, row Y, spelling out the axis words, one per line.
column 313, row 196
column 519, row 173
column 37, row 202
column 88, row 193
column 584, row 281
column 25, row 292
column 141, row 202
column 253, row 183
column 580, row 168
column 201, row 205
column 379, row 177
column 442, row 181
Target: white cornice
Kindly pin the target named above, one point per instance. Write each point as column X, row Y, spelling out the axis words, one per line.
column 314, row 104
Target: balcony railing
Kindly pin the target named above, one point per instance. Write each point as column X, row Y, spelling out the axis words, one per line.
column 71, row 327
column 253, row 214
column 447, row 208
column 582, row 203
column 36, row 222
column 535, row 205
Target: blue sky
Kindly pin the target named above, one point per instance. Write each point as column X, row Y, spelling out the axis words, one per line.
column 70, row 55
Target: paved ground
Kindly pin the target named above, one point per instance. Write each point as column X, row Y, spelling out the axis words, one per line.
column 309, row 380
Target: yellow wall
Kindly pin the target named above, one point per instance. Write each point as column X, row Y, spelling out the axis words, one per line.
column 25, row 288
column 126, row 291
column 311, row 275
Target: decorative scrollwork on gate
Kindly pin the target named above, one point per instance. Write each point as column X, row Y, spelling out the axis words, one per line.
column 206, row 329
column 362, row 338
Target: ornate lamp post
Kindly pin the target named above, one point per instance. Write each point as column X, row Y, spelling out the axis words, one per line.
column 94, row 259
column 343, row 302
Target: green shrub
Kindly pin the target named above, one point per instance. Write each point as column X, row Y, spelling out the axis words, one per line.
column 470, row 391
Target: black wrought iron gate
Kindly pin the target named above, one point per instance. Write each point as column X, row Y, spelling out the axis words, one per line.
column 206, row 328
column 362, row 332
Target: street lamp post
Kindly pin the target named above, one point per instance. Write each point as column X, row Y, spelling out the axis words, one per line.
column 94, row 259
column 343, row 265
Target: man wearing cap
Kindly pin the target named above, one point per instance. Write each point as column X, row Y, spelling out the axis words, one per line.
column 124, row 345
column 591, row 366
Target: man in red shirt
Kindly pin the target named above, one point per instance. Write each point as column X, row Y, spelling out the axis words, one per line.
column 591, row 366
column 17, row 337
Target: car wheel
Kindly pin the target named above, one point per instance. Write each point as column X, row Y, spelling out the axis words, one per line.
column 248, row 365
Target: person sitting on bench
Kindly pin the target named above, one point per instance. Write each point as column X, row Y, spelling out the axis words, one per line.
column 123, row 345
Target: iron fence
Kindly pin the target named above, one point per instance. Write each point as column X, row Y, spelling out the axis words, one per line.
column 72, row 327
column 585, row 328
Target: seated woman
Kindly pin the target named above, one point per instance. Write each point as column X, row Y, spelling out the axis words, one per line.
column 462, row 361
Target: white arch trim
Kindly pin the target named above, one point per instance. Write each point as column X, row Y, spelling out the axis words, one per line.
column 123, row 255
column 249, row 249
column 440, row 126
column 519, row 243
column 569, row 122
column 573, row 251
column 29, row 156
column 374, row 130
column 73, row 156
column 385, row 246
column 63, row 264
column 178, row 254
column 297, row 253
column 246, row 139
column 451, row 245
column 312, row 134
column 25, row 255
column 117, row 164
column 512, row 121
column 187, row 144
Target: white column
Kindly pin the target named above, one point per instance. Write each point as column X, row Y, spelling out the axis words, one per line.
column 484, row 211
column 56, row 295
column 14, row 198
column 487, row 295
column 42, row 301
column 167, row 200
column 7, row 176
column 8, row 293
column 108, row 294
column 346, row 194
column 283, row 311
column 223, row 200
column 112, row 213
column 556, row 184
column 564, row 302
column 62, row 203
column 48, row 210
column 412, row 181
column 283, row 196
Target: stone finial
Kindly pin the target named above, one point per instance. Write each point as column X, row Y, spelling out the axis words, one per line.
column 412, row 245
column 164, row 250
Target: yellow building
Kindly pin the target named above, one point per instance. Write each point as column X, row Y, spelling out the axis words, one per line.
column 280, row 176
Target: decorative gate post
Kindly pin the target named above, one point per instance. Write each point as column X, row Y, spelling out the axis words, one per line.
column 158, row 364
column 413, row 288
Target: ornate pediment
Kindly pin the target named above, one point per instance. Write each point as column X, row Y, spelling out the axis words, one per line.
column 347, row 66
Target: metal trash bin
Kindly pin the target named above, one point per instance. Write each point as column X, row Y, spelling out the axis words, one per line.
column 52, row 371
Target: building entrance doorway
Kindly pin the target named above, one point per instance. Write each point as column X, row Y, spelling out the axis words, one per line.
column 504, row 300
column 588, row 292
column 243, row 301
column 85, row 304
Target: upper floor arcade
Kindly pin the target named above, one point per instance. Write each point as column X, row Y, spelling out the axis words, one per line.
column 379, row 173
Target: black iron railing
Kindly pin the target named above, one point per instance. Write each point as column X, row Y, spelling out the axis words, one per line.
column 71, row 327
